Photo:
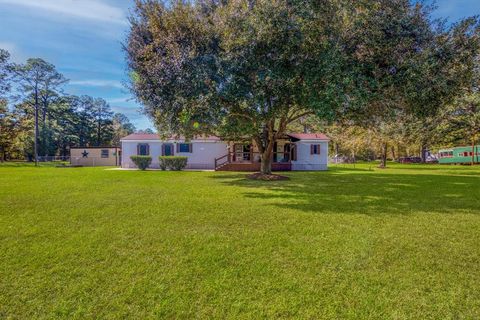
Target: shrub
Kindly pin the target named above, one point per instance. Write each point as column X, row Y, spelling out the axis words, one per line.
column 142, row 162
column 163, row 164
column 175, row 163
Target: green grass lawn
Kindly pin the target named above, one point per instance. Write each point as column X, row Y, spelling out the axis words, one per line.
column 400, row 243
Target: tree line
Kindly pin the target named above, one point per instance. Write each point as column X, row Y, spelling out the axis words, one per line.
column 456, row 124
column 38, row 118
column 379, row 76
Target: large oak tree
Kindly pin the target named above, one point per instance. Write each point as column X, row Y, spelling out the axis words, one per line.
column 247, row 69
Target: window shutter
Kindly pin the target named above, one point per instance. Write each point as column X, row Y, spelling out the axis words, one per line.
column 294, row 152
column 318, row 149
column 147, row 149
column 163, row 149
column 311, row 149
column 178, row 147
column 138, row 149
column 190, row 146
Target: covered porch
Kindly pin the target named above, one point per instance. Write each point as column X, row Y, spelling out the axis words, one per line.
column 244, row 156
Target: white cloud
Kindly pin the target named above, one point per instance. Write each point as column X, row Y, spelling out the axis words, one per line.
column 15, row 54
column 85, row 9
column 97, row 83
column 120, row 100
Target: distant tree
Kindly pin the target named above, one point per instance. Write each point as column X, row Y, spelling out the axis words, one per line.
column 121, row 128
column 22, row 144
column 83, row 119
column 6, row 123
column 4, row 73
column 461, row 120
column 145, row 131
column 148, row 131
column 405, row 65
column 64, row 125
column 39, row 82
column 102, row 114
column 7, row 130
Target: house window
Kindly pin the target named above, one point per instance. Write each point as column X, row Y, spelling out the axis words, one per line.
column 167, row 149
column 314, row 149
column 184, row 147
column 104, row 153
column 143, row 149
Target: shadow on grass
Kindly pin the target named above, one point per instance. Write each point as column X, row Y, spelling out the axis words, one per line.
column 348, row 190
column 26, row 164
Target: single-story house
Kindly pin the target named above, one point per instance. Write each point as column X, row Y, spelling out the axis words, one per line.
column 294, row 151
column 95, row 156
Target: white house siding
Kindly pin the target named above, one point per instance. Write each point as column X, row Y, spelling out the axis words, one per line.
column 131, row 150
column 204, row 153
column 202, row 156
column 307, row 161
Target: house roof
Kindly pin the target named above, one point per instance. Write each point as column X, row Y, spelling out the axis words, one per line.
column 153, row 136
column 142, row 136
column 308, row 136
column 150, row 136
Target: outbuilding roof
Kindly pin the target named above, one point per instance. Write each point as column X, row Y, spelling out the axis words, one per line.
column 308, row 136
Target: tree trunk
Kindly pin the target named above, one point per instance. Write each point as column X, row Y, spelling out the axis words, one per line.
column 265, row 144
column 383, row 160
column 424, row 152
column 266, row 158
column 266, row 163
column 393, row 153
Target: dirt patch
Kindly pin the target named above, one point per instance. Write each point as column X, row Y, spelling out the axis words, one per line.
column 266, row 177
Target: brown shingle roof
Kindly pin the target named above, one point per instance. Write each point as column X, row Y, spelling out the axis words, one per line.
column 141, row 136
column 308, row 136
column 150, row 136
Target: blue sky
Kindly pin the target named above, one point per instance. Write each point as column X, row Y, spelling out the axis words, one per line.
column 83, row 39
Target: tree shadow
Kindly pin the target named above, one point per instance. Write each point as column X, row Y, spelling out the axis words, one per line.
column 362, row 191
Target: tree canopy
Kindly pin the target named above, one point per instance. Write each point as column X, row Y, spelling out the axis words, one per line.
column 249, row 69
column 34, row 108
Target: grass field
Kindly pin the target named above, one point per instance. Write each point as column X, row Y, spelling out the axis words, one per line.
column 400, row 243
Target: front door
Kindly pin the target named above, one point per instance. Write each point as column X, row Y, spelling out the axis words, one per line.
column 242, row 152
column 168, row 149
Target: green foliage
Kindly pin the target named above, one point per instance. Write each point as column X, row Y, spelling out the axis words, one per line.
column 142, row 162
column 4, row 73
column 247, row 69
column 63, row 121
column 121, row 127
column 343, row 244
column 175, row 163
column 459, row 123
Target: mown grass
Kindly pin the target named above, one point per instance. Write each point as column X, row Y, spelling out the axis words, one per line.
column 400, row 243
